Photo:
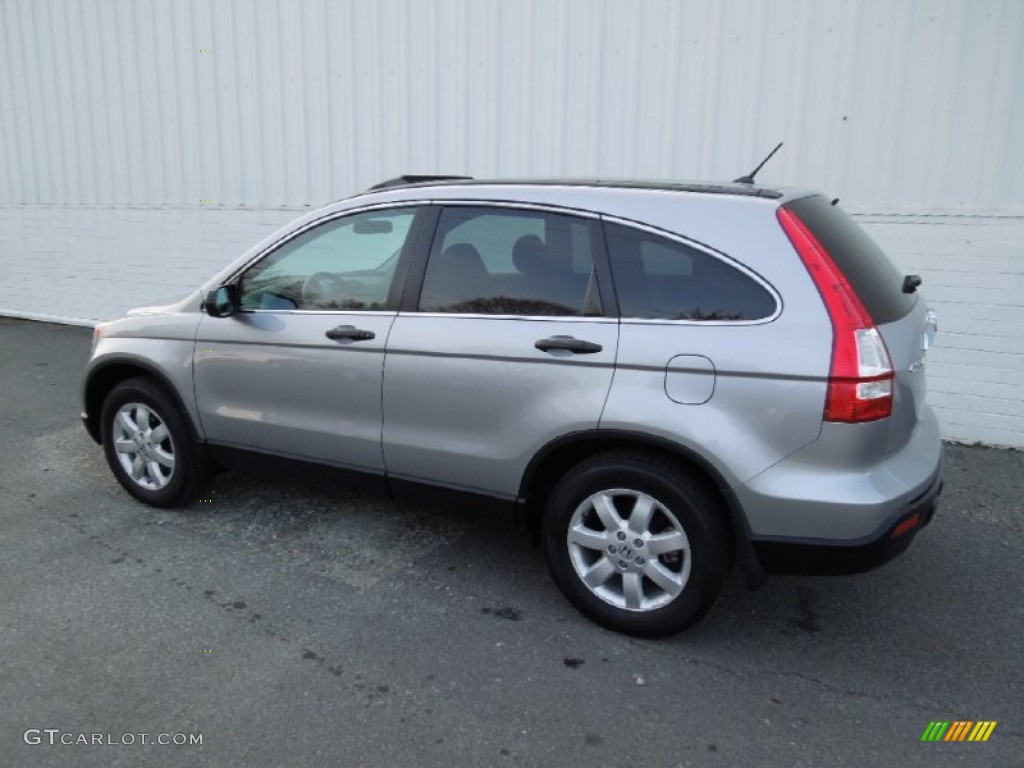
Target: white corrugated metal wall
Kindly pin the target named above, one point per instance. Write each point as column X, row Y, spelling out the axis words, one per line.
column 901, row 106
column 911, row 112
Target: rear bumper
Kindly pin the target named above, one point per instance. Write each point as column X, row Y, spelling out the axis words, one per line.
column 794, row 556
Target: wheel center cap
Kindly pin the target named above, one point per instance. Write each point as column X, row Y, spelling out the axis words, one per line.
column 625, row 552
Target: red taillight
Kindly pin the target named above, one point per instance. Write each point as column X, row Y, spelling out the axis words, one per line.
column 860, row 379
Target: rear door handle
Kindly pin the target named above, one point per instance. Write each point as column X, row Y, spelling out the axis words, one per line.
column 568, row 343
column 349, row 332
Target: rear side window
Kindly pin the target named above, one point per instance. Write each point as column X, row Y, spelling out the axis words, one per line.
column 500, row 261
column 661, row 279
column 878, row 283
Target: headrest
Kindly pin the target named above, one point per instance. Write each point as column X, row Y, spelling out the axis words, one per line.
column 465, row 259
column 530, row 256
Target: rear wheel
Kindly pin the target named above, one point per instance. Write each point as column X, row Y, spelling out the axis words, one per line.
column 637, row 543
column 149, row 447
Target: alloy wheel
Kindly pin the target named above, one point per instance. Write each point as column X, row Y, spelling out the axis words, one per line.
column 143, row 446
column 629, row 549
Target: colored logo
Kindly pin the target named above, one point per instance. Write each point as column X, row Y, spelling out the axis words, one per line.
column 959, row 730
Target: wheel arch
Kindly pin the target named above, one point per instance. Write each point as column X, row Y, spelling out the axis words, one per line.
column 103, row 378
column 558, row 456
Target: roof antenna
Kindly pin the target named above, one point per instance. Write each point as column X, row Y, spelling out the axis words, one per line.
column 749, row 178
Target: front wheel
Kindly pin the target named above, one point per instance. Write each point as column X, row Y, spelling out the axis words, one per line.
column 637, row 543
column 148, row 445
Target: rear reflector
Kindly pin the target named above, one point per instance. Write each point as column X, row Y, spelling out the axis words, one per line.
column 861, row 374
column 907, row 525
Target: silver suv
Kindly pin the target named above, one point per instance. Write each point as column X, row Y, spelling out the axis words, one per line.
column 658, row 377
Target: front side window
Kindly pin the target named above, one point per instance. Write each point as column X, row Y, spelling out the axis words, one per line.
column 497, row 261
column 343, row 264
column 659, row 278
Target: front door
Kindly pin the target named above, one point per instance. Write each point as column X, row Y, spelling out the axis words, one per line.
column 297, row 370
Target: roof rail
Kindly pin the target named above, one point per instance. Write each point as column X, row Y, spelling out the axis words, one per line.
column 401, row 181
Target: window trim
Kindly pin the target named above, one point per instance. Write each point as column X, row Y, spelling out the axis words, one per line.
column 707, row 250
column 531, row 318
column 421, row 218
column 409, row 305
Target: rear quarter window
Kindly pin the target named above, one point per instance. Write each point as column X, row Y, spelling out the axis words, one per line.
column 663, row 279
column 879, row 285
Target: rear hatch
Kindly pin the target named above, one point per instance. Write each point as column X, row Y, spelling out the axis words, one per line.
column 900, row 315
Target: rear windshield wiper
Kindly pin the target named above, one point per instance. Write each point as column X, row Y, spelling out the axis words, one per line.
column 911, row 283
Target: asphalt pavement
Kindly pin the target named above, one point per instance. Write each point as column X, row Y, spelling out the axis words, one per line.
column 289, row 624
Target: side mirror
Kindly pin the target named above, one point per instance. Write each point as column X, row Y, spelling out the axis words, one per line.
column 221, row 302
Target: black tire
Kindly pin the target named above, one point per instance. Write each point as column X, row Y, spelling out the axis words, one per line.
column 157, row 485
column 682, row 501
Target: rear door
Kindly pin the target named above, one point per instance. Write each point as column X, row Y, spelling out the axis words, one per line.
column 502, row 346
column 902, row 318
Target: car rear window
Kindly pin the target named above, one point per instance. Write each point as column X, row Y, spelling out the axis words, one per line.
column 878, row 283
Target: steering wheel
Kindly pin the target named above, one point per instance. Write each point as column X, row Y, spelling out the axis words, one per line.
column 323, row 285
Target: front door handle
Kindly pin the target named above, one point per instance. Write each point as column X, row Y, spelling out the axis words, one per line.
column 349, row 332
column 569, row 344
